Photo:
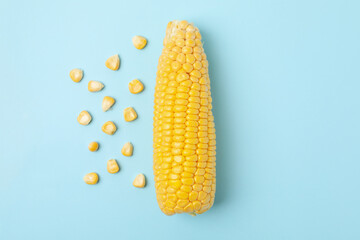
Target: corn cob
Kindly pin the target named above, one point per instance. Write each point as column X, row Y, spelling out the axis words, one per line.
column 184, row 130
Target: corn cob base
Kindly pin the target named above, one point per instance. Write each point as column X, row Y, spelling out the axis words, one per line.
column 184, row 129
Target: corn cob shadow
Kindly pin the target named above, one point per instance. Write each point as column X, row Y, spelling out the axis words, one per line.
column 223, row 165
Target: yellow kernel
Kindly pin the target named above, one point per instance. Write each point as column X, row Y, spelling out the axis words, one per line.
column 187, row 181
column 183, row 89
column 195, row 73
column 190, row 28
column 181, row 101
column 192, row 158
column 197, row 49
column 198, row 35
column 91, row 178
column 207, row 183
column 189, row 208
column 190, row 169
column 202, row 195
column 199, row 179
column 179, row 108
column 170, row 204
column 129, row 114
column 207, row 189
column 197, row 56
column 180, row 34
column 193, row 196
column 168, row 211
column 188, row 152
column 84, row 118
column 180, row 42
column 172, row 55
column 201, row 164
column 173, row 176
column 76, row 74
column 182, row 202
column 107, row 103
column 139, row 181
column 190, row 42
column 113, row 62
column 182, row 195
column 191, row 124
column 190, row 164
column 139, row 42
column 109, row 128
column 197, row 205
column 186, row 50
column 176, row 49
column 179, row 159
column 187, row 175
column 187, row 67
column 200, row 172
column 175, row 65
column 175, row 183
column 95, row 86
column 178, row 169
column 190, row 58
column 183, row 24
column 182, row 77
column 127, row 149
column 197, row 65
column 180, row 58
column 197, row 187
column 112, row 166
column 186, row 188
column 93, row 146
column 189, row 146
column 135, row 86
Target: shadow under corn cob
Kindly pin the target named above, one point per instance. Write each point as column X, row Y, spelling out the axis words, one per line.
column 184, row 129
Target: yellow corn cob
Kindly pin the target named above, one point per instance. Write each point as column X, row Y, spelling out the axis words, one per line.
column 184, row 130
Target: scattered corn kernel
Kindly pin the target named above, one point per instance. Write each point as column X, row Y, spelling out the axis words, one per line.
column 95, row 86
column 109, row 128
column 129, row 114
column 112, row 166
column 107, row 103
column 93, row 146
column 139, row 181
column 139, row 42
column 91, row 178
column 76, row 75
column 135, row 86
column 84, row 118
column 113, row 62
column 127, row 149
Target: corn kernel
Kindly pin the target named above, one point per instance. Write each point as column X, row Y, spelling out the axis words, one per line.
column 127, row 149
column 76, row 75
column 129, row 114
column 95, row 86
column 93, row 146
column 139, row 42
column 107, row 103
column 112, row 166
column 139, row 181
column 135, row 86
column 91, row 178
column 84, row 118
column 113, row 62
column 109, row 128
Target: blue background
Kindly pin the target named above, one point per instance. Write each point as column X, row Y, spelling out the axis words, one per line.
column 285, row 84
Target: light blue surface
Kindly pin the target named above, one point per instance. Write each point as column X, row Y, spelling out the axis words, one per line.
column 285, row 81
